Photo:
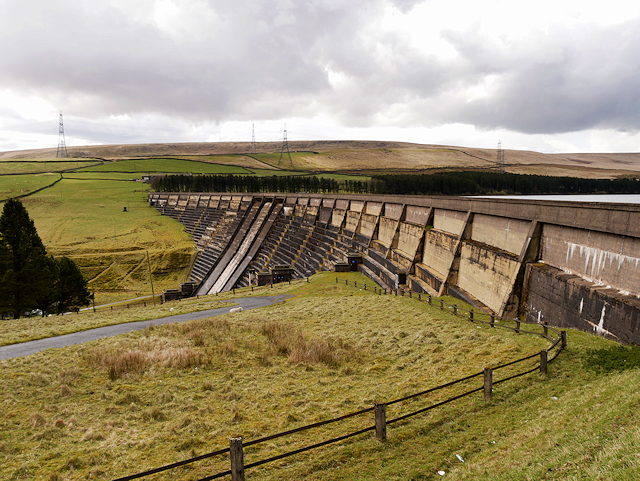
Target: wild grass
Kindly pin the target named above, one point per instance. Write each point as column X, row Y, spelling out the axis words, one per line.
column 166, row 165
column 39, row 166
column 85, row 220
column 120, row 405
column 15, row 185
column 31, row 328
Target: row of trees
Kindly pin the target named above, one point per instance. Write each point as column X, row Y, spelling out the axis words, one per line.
column 483, row 182
column 440, row 183
column 29, row 278
column 244, row 183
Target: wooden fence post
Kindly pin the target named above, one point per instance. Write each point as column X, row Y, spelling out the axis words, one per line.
column 419, row 296
column 488, row 383
column 543, row 362
column 545, row 328
column 455, row 309
column 471, row 315
column 517, row 326
column 563, row 336
column 429, row 299
column 410, row 294
column 355, row 283
column 237, row 459
column 441, row 305
column 493, row 321
column 381, row 422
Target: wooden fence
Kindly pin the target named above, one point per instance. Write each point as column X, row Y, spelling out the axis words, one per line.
column 484, row 382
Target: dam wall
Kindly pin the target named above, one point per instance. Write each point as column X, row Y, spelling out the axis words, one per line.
column 566, row 263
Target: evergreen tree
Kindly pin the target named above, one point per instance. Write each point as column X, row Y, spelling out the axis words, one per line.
column 70, row 289
column 26, row 276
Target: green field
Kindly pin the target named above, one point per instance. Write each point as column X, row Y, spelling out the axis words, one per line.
column 166, row 166
column 85, row 220
column 83, row 217
column 42, row 165
column 16, row 185
column 120, row 405
column 117, row 406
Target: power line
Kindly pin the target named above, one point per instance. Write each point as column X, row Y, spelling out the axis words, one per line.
column 62, row 145
column 500, row 156
column 285, row 146
column 253, row 149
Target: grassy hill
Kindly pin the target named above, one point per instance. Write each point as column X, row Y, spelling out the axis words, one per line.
column 68, row 414
column 369, row 156
column 118, row 406
column 78, row 203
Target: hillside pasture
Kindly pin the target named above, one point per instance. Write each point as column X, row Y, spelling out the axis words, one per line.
column 36, row 166
column 165, row 165
column 18, row 185
column 86, row 221
column 121, row 405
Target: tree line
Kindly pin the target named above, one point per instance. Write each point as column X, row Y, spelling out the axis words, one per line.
column 483, row 182
column 440, row 183
column 31, row 280
column 252, row 183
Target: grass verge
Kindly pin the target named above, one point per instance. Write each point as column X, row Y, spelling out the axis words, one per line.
column 120, row 405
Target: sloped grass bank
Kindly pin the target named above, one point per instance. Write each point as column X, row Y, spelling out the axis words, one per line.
column 86, row 221
column 121, row 405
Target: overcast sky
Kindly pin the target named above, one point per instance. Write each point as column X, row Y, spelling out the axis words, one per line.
column 551, row 76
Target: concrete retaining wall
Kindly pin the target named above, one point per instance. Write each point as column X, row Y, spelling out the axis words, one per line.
column 568, row 301
column 477, row 247
column 449, row 221
column 409, row 238
column 487, row 274
column 439, row 250
column 368, row 225
column 387, row 230
column 603, row 258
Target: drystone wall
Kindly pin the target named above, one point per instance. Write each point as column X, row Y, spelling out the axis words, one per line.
column 566, row 263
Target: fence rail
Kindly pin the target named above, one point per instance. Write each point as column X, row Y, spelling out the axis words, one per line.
column 236, row 446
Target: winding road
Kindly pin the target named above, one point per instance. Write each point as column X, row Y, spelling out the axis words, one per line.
column 31, row 347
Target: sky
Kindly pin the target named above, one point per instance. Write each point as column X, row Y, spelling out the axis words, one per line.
column 550, row 76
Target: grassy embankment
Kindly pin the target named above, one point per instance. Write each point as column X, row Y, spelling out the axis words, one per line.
column 117, row 406
column 83, row 217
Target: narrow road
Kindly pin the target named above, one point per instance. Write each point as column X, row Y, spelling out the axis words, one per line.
column 31, row 347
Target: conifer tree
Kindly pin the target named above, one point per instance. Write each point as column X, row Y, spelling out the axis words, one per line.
column 70, row 291
column 26, row 276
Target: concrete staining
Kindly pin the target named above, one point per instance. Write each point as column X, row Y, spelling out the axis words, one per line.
column 566, row 263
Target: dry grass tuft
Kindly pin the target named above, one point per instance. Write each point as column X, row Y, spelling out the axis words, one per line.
column 92, row 435
column 125, row 362
column 290, row 342
column 330, row 351
column 154, row 414
column 65, row 391
column 69, row 376
column 207, row 385
column 36, row 420
column 128, row 399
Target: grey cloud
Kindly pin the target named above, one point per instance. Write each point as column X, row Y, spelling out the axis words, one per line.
column 266, row 60
column 569, row 81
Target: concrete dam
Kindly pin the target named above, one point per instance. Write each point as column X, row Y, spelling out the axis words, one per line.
column 570, row 264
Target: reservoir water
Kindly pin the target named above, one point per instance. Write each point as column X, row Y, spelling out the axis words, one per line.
column 603, row 198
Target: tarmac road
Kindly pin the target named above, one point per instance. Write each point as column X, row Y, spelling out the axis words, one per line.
column 31, row 347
